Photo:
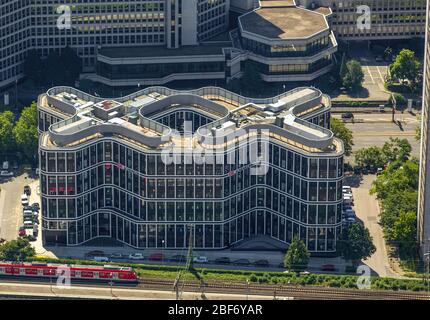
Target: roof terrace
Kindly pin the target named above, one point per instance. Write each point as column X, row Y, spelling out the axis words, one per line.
column 131, row 117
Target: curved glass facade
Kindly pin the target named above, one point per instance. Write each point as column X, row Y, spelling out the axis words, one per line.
column 110, row 189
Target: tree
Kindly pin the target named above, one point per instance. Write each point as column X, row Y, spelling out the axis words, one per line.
column 396, row 149
column 405, row 231
column 25, row 132
column 72, row 65
column 34, row 67
column 7, row 142
column 297, row 257
column 343, row 69
column 16, row 250
column 372, row 156
column 354, row 75
column 355, row 243
column 342, row 132
column 54, row 69
column 406, row 66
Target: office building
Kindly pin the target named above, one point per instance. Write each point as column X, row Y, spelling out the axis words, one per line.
column 149, row 168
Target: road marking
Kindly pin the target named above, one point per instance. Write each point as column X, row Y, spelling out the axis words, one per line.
column 380, row 74
column 370, row 73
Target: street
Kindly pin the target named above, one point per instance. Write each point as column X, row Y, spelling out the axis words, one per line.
column 374, row 129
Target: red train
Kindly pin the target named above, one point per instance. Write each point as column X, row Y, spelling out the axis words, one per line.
column 116, row 274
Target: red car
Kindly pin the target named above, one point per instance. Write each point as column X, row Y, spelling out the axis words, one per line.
column 156, row 257
column 328, row 267
column 21, row 231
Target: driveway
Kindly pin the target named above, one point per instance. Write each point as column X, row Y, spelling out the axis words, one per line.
column 367, row 210
column 10, row 204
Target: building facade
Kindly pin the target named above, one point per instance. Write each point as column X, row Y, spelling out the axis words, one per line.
column 154, row 167
column 86, row 26
column 423, row 226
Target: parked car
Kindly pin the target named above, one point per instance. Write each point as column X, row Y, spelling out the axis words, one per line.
column 349, row 213
column 242, row 262
column 347, row 115
column 328, row 267
column 136, row 256
column 158, row 256
column 365, row 170
column 35, row 230
column 5, row 173
column 346, row 189
column 28, row 224
column 178, row 258
column 24, row 200
column 117, row 256
column 21, row 231
column 379, row 171
column 31, row 237
column 95, row 253
column 35, row 207
column 200, row 259
column 27, row 190
column 5, row 165
column 101, row 259
column 357, row 170
column 222, row 260
column 15, row 166
column 261, row 263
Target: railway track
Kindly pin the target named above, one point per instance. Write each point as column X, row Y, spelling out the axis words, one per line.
column 296, row 292
column 275, row 291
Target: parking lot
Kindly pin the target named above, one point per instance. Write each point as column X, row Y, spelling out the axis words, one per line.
column 374, row 74
column 11, row 217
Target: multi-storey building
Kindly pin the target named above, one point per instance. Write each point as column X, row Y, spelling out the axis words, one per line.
column 15, row 31
column 44, row 25
column 284, row 42
column 390, row 19
column 151, row 168
column 423, row 225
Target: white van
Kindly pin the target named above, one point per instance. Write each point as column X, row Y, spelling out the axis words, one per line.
column 24, row 200
column 348, row 200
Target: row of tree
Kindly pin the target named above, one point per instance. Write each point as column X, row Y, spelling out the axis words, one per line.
column 354, row 244
column 395, row 149
column 56, row 69
column 20, row 137
column 396, row 188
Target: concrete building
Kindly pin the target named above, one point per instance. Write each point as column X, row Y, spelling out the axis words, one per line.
column 44, row 25
column 149, row 168
column 423, row 226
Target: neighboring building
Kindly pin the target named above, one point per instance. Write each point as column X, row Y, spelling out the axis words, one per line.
column 32, row 24
column 283, row 42
column 271, row 169
column 423, row 226
column 287, row 43
column 15, row 31
column 153, row 42
column 390, row 19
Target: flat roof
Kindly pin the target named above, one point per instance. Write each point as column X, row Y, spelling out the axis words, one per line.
column 158, row 51
column 283, row 22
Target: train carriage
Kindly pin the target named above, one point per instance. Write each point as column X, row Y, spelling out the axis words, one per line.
column 77, row 272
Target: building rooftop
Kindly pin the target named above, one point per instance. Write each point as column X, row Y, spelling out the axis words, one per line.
column 132, row 117
column 283, row 22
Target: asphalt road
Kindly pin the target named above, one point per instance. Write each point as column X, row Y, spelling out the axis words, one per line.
column 375, row 129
